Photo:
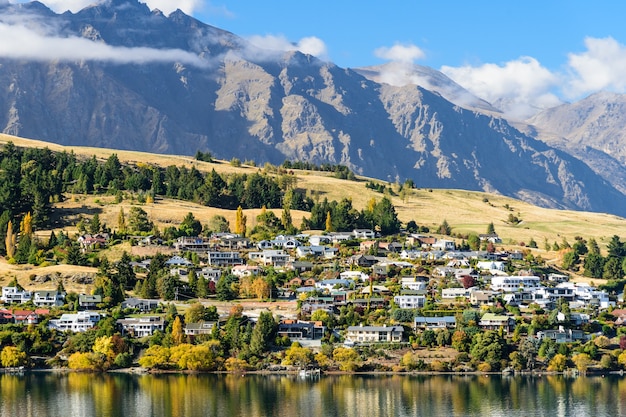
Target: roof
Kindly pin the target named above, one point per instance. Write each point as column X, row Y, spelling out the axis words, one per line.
column 376, row 328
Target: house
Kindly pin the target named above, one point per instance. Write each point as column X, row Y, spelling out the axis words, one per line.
column 491, row 265
column 491, row 321
column 202, row 327
column 212, row 274
column 25, row 317
column 364, row 261
column 337, row 237
column 414, row 283
column 216, row 258
column 178, row 261
column 445, row 322
column 392, row 247
column 410, row 301
column 363, row 234
column 91, row 241
column 562, row 335
column 299, row 266
column 143, row 305
column 276, row 258
column 443, row 245
column 371, row 302
column 196, row 244
column 89, row 302
column 301, row 330
column 515, row 283
column 490, row 237
column 15, row 295
column 454, row 293
column 354, row 275
column 316, row 240
column 246, row 270
column 480, row 298
column 75, row 322
column 374, row 334
column 6, row 316
column 141, row 326
column 48, row 298
column 330, row 284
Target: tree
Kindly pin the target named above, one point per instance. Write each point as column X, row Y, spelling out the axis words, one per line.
column 570, row 259
column 240, row 222
column 329, row 222
column 348, row 359
column 9, row 241
column 558, row 363
column 178, row 335
column 121, row 221
column 223, row 289
column 94, row 224
column 594, row 265
column 13, row 357
column 297, row 355
column 582, row 362
column 26, row 226
column 444, row 228
column 473, row 241
column 190, row 226
column 263, row 333
column 612, row 268
column 491, row 229
column 218, row 224
column 138, row 220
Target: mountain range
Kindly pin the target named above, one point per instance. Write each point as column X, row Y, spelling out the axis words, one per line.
column 172, row 84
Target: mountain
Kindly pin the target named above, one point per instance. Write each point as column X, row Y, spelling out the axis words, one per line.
column 593, row 130
column 171, row 84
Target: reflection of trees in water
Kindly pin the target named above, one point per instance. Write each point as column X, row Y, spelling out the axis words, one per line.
column 177, row 395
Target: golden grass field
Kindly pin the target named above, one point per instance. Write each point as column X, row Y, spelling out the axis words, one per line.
column 465, row 211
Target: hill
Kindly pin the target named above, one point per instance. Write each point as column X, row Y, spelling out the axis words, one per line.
column 195, row 87
column 465, row 211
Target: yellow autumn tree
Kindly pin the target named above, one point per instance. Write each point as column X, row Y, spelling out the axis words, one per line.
column 329, row 222
column 178, row 335
column 12, row 357
column 240, row 222
column 26, row 226
column 9, row 241
column 104, row 346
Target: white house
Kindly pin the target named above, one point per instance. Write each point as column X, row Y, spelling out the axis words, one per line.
column 331, row 284
column 246, row 270
column 514, row 283
column 354, row 275
column 363, row 234
column 13, row 295
column 491, row 265
column 270, row 257
column 75, row 322
column 374, row 334
column 444, row 245
column 211, row 274
column 410, row 301
column 454, row 293
column 49, row 298
column 142, row 326
column 224, row 258
column 316, row 240
column 412, row 283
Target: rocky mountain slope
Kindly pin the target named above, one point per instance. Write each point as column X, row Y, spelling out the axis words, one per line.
column 224, row 96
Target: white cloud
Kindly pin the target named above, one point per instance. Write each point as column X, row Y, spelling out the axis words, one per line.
column 21, row 42
column 310, row 45
column 519, row 87
column 601, row 67
column 400, row 53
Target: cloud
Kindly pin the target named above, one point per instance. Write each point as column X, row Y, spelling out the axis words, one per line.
column 278, row 43
column 21, row 42
column 166, row 6
column 400, row 53
column 601, row 67
column 520, row 87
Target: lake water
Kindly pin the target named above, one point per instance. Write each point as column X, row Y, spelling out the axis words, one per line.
column 71, row 394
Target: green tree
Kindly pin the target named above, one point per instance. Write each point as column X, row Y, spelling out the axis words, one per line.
column 473, row 241
column 263, row 333
column 138, row 220
column 491, row 229
column 190, row 226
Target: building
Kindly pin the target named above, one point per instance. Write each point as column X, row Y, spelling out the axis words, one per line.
column 88, row 301
column 301, row 330
column 15, row 295
column 143, row 305
column 276, row 258
column 75, row 322
column 192, row 244
column 445, row 322
column 374, row 334
column 141, row 326
column 49, row 298
column 224, row 258
column 514, row 283
column 491, row 321
column 202, row 327
column 410, row 301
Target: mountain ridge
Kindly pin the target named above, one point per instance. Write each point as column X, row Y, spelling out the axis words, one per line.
column 268, row 106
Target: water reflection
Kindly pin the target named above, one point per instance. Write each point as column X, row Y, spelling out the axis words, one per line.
column 72, row 394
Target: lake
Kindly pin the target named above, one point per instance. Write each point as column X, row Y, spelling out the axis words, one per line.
column 36, row 394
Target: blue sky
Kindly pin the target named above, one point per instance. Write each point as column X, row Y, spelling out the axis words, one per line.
column 533, row 54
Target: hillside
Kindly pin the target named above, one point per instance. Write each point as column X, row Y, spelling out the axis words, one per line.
column 465, row 211
column 218, row 93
